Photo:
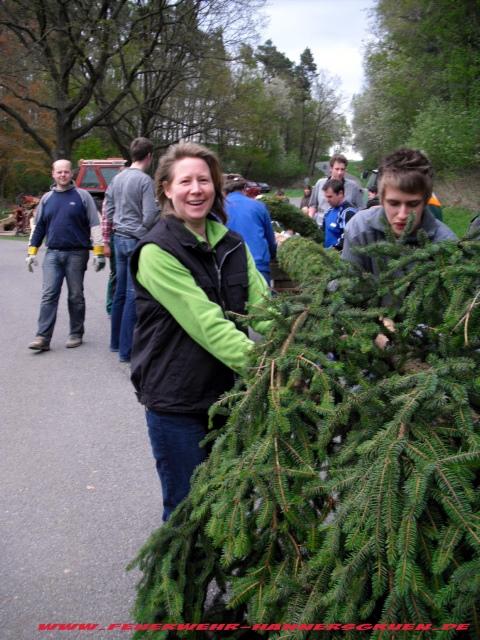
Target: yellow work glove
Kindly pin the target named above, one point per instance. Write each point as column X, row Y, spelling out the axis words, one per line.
column 31, row 258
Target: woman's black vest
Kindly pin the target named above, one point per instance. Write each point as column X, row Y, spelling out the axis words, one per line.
column 171, row 372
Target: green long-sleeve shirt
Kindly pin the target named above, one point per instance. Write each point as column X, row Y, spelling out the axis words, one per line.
column 172, row 285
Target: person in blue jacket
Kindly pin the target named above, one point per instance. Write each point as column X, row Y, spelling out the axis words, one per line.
column 340, row 212
column 250, row 218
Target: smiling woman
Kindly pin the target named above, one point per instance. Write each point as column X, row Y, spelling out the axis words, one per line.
column 190, row 274
column 191, row 192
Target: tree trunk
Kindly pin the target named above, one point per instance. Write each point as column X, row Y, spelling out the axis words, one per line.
column 64, row 143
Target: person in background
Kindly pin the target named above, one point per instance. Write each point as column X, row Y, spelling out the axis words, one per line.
column 433, row 205
column 340, row 212
column 192, row 278
column 110, row 254
column 405, row 187
column 68, row 218
column 373, row 199
column 131, row 211
column 318, row 205
column 307, row 192
column 250, row 218
column 280, row 195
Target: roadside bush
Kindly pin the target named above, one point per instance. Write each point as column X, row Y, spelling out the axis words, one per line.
column 449, row 134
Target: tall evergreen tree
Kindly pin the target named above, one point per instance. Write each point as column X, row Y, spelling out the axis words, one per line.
column 423, row 73
column 344, row 487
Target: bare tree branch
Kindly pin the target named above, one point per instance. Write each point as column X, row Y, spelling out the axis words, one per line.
column 28, row 129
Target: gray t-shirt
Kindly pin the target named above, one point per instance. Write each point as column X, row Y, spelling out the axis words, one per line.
column 130, row 203
column 369, row 226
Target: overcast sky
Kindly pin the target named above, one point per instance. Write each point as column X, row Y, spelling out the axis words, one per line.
column 334, row 30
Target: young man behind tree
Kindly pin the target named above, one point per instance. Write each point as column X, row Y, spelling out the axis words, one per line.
column 318, row 205
column 405, row 187
column 336, row 218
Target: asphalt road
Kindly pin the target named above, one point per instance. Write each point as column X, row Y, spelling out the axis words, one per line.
column 79, row 491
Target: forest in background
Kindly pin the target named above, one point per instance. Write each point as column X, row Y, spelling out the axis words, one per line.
column 422, row 88
column 81, row 79
column 84, row 78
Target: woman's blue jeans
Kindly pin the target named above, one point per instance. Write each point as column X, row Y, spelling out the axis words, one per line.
column 175, row 442
column 123, row 306
column 57, row 266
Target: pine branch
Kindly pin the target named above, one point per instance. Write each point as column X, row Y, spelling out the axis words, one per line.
column 345, row 483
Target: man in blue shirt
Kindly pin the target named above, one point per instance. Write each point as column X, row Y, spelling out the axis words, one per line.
column 250, row 218
column 338, row 215
column 68, row 218
column 318, row 205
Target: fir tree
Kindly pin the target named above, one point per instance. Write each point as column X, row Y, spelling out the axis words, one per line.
column 290, row 217
column 343, row 487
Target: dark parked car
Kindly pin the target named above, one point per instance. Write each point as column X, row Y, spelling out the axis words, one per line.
column 264, row 187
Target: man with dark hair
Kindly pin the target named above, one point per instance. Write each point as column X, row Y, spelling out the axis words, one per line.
column 250, row 218
column 131, row 210
column 140, row 148
column 318, row 205
column 405, row 186
column 68, row 218
column 340, row 212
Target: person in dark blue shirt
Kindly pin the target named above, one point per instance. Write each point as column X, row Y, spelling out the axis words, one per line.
column 250, row 218
column 67, row 217
column 338, row 215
